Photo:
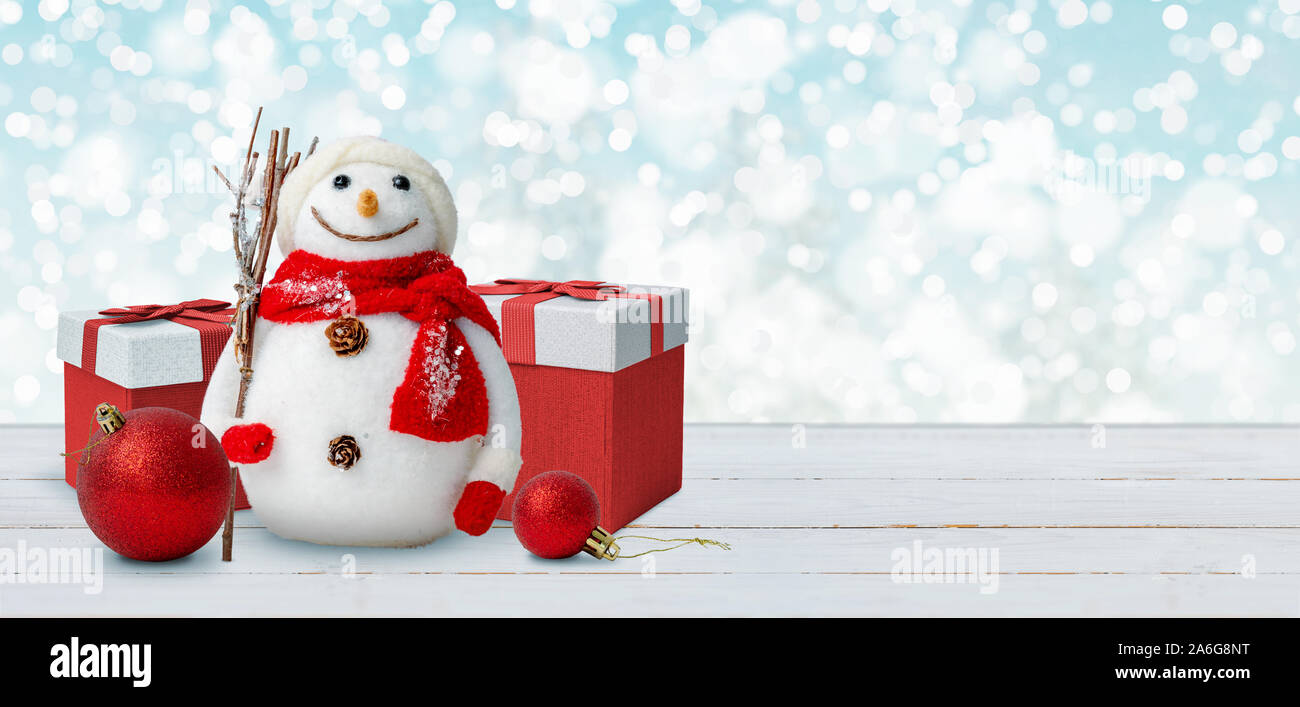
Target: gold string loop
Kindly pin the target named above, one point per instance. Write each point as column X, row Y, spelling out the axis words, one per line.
column 681, row 542
column 110, row 420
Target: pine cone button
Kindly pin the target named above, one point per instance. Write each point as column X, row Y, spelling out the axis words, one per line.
column 344, row 452
column 347, row 335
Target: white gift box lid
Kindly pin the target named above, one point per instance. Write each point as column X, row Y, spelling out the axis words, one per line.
column 601, row 335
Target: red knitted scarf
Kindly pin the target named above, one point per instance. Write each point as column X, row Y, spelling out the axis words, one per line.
column 443, row 397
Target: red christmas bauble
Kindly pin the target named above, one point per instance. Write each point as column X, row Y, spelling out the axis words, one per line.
column 554, row 514
column 156, row 487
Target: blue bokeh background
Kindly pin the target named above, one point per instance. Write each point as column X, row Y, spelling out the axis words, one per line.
column 890, row 211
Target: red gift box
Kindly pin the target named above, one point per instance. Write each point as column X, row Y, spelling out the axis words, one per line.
column 599, row 370
column 142, row 356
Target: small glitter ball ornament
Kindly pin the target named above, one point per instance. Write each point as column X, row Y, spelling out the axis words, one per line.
column 153, row 483
column 555, row 516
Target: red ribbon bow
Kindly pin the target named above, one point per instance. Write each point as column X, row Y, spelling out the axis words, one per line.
column 582, row 289
column 209, row 316
column 209, row 310
column 518, row 333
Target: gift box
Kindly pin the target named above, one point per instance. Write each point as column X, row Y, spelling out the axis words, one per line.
column 599, row 370
column 134, row 357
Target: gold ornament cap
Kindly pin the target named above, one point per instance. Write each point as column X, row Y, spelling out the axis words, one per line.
column 110, row 419
column 600, row 544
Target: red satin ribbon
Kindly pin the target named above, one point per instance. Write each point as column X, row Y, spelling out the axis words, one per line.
column 209, row 316
column 518, row 331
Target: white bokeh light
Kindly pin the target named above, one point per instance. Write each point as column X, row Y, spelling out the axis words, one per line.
column 886, row 211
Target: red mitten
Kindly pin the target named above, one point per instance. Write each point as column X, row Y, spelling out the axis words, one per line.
column 247, row 444
column 479, row 503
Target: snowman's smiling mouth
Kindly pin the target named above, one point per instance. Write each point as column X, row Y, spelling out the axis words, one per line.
column 363, row 239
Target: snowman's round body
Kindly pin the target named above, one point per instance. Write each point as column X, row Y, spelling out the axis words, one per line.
column 400, row 489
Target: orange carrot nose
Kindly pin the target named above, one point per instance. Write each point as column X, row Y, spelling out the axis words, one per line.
column 367, row 204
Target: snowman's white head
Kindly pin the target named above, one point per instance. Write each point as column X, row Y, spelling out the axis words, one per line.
column 364, row 198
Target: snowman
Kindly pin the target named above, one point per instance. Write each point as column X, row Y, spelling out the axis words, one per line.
column 381, row 411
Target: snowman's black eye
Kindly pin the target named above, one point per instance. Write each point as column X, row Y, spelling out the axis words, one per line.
column 400, row 182
column 342, row 181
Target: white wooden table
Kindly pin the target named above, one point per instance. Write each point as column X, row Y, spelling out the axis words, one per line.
column 1178, row 521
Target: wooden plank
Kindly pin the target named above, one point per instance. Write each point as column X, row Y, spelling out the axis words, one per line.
column 905, row 452
column 814, row 516
column 1017, row 452
column 794, row 503
column 1149, row 551
column 657, row 595
column 998, row 503
column 31, row 452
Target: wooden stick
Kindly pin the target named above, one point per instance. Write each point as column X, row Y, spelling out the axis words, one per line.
column 224, row 180
column 242, row 351
column 250, row 168
column 234, row 224
column 274, row 168
column 261, row 250
column 281, row 170
column 252, row 266
column 256, row 122
column 228, row 534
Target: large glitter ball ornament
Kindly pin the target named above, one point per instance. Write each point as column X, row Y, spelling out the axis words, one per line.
column 555, row 516
column 153, row 483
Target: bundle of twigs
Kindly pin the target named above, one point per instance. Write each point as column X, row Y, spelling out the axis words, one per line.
column 252, row 224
